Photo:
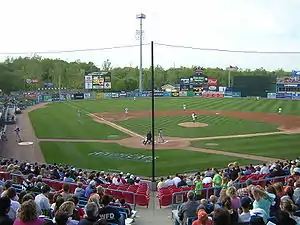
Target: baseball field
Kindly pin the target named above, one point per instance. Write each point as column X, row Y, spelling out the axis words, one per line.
column 103, row 137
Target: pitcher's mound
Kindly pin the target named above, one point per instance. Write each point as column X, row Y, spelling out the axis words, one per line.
column 191, row 124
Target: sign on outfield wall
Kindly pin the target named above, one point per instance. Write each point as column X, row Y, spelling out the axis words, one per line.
column 212, row 95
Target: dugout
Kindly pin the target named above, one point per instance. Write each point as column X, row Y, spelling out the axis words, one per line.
column 254, row 85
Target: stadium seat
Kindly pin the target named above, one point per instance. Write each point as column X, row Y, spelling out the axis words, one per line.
column 190, row 220
column 142, row 200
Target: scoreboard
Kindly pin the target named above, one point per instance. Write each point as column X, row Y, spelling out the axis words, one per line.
column 97, row 81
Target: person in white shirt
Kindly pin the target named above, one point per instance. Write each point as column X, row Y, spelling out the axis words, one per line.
column 245, row 216
column 264, row 169
column 42, row 200
column 176, row 179
column 169, row 182
column 207, row 180
column 14, row 205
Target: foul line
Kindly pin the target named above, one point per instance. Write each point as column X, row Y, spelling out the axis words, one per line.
column 102, row 120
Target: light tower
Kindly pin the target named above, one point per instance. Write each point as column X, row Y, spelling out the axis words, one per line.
column 141, row 17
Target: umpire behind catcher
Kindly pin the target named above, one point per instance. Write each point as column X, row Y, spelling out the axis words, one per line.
column 148, row 138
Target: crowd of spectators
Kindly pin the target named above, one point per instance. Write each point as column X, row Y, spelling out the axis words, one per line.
column 234, row 203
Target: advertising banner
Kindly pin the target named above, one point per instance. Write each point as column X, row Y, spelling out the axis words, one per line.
column 284, row 95
column 30, row 95
column 236, row 94
column 47, row 98
column 212, row 95
column 87, row 95
column 88, row 82
column 78, row 96
column 122, row 94
column 212, row 88
column 271, row 95
column 107, row 95
column 190, row 94
column 32, row 81
column 167, row 94
column 212, row 82
column 158, row 94
column 228, row 94
column 175, row 94
column 182, row 93
column 114, row 95
column 130, row 94
column 55, row 97
column 100, row 95
column 184, row 84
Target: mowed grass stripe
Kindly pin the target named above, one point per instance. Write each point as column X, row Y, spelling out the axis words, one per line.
column 62, row 121
column 218, row 126
column 285, row 146
column 168, row 161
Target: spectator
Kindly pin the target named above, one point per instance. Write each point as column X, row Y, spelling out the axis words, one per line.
column 207, row 179
column 262, row 200
column 235, row 201
column 61, row 218
column 187, row 209
column 59, row 201
column 14, row 205
column 78, row 212
column 283, row 218
column 27, row 215
column 79, row 191
column 31, row 197
column 109, row 213
column 176, row 180
column 67, row 178
column 28, row 184
column 182, row 182
column 43, row 202
column 90, row 189
column 296, row 195
column 67, row 208
column 245, row 216
column 198, row 187
column 100, row 191
column 289, row 188
column 4, row 209
column 244, row 192
column 161, row 183
column 264, row 169
column 7, row 184
column 279, row 189
column 169, row 181
column 55, row 197
column 221, row 217
column 126, row 206
column 66, row 191
column 234, row 216
column 213, row 201
column 91, row 212
column 96, row 199
column 130, row 180
column 217, row 182
column 202, row 219
column 286, row 205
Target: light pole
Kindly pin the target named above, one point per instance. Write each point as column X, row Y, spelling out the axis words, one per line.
column 231, row 68
column 141, row 17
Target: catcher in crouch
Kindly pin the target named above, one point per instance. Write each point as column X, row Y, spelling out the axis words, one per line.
column 148, row 139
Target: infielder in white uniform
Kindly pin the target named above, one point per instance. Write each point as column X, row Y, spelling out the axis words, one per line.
column 126, row 110
column 194, row 117
column 279, row 110
column 78, row 113
column 134, row 98
column 184, row 107
column 160, row 136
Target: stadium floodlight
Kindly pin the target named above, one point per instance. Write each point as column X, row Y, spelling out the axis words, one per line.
column 231, row 68
column 141, row 17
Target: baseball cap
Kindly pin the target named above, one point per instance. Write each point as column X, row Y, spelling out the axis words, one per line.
column 246, row 202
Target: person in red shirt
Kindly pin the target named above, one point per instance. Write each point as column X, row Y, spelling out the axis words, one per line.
column 202, row 218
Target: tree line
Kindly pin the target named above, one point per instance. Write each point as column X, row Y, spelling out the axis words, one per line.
column 14, row 72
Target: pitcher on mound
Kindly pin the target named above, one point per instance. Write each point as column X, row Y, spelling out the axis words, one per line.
column 194, row 117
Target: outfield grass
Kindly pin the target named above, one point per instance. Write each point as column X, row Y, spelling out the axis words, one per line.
column 230, row 104
column 168, row 162
column 217, row 126
column 278, row 146
column 61, row 121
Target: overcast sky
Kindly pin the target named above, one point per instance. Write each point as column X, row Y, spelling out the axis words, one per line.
column 51, row 25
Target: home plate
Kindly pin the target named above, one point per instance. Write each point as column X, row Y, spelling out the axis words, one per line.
column 217, row 113
column 25, row 143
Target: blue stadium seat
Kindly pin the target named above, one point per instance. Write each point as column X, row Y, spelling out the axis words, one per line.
column 190, row 220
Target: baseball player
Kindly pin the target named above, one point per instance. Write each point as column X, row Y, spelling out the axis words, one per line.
column 184, row 107
column 17, row 130
column 148, row 139
column 78, row 113
column 194, row 117
column 279, row 110
column 126, row 110
column 160, row 136
column 134, row 98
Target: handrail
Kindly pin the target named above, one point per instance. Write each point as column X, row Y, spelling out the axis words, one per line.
column 241, row 184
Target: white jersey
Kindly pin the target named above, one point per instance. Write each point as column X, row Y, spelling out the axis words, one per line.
column 126, row 110
column 184, row 106
column 194, row 116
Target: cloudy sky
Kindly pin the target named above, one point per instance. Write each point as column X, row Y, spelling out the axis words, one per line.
column 52, row 25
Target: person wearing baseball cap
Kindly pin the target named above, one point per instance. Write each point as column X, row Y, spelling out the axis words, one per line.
column 245, row 216
column 202, row 218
